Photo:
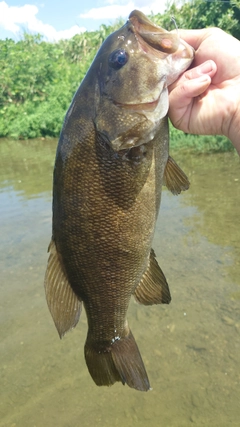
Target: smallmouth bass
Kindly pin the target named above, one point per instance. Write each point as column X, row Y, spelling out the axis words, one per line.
column 111, row 162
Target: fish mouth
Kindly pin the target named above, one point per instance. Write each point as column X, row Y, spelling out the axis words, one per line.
column 156, row 40
column 146, row 106
column 151, row 35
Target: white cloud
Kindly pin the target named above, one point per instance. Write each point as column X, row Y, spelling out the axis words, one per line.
column 112, row 11
column 116, row 9
column 14, row 18
column 9, row 16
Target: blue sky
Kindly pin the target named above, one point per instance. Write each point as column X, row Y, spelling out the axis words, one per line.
column 57, row 19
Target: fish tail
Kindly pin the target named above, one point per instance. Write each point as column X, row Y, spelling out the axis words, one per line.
column 120, row 361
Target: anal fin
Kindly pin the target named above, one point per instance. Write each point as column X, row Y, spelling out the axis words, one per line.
column 153, row 287
column 64, row 305
column 174, row 178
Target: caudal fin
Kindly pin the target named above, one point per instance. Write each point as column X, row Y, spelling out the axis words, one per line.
column 120, row 361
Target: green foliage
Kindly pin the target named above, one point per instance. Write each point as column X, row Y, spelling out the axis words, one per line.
column 38, row 79
column 37, row 83
column 199, row 143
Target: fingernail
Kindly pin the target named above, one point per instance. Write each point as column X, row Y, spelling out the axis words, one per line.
column 206, row 67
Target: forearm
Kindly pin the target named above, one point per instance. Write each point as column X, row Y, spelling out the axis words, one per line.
column 234, row 131
column 231, row 127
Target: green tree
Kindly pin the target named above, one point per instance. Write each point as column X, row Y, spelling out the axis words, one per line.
column 201, row 14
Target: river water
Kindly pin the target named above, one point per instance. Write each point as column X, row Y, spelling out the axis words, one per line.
column 191, row 348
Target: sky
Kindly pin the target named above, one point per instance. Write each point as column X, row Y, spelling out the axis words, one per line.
column 56, row 19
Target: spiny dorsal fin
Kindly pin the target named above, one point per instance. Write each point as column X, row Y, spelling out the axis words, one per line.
column 153, row 287
column 174, row 178
column 64, row 305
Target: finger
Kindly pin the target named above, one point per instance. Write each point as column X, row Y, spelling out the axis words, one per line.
column 208, row 67
column 188, row 89
column 182, row 96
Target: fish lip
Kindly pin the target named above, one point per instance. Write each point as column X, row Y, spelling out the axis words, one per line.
column 146, row 106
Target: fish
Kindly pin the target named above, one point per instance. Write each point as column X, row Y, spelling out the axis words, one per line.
column 111, row 162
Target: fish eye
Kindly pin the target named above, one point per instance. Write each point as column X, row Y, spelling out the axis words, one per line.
column 118, row 58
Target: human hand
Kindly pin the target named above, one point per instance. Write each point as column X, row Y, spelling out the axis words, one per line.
column 206, row 98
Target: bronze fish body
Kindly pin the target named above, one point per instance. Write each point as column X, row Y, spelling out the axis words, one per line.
column 111, row 161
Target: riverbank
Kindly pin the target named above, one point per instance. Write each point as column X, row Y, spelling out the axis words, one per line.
column 199, row 144
column 196, row 144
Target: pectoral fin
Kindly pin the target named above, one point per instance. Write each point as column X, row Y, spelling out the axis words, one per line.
column 64, row 305
column 174, row 178
column 153, row 287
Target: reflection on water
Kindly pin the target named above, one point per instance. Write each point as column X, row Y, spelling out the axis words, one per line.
column 190, row 348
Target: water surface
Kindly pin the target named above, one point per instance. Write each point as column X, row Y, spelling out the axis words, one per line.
column 190, row 348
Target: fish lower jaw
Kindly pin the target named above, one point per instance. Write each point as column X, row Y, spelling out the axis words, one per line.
column 142, row 106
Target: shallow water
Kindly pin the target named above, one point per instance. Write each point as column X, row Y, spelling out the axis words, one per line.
column 190, row 348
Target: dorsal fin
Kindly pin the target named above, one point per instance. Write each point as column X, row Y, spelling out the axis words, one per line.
column 174, row 178
column 64, row 305
column 153, row 287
